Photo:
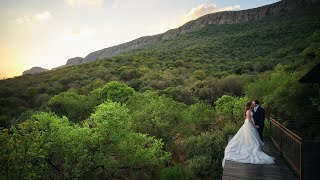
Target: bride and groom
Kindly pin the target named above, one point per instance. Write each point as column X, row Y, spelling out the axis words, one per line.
column 246, row 145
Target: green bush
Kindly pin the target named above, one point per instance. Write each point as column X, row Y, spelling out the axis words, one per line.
column 282, row 95
column 205, row 152
column 174, row 173
column 316, row 36
column 155, row 115
column 117, row 92
column 231, row 107
column 201, row 116
column 76, row 107
column 49, row 147
column 180, row 94
column 225, row 105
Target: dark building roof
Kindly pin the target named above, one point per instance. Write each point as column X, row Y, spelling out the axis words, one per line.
column 313, row 76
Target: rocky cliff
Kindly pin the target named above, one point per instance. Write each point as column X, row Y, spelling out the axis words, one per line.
column 135, row 44
column 71, row 62
column 34, row 70
column 226, row 17
column 74, row 61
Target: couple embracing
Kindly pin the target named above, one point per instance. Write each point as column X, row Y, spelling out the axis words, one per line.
column 246, row 145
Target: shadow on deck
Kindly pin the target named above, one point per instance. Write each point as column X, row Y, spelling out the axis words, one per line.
column 279, row 170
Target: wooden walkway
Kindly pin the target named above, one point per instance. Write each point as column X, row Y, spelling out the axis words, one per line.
column 241, row 171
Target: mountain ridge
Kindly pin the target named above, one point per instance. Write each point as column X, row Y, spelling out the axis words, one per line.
column 202, row 65
column 225, row 17
column 34, row 70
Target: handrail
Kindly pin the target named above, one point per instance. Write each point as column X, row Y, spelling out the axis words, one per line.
column 302, row 121
column 295, row 123
column 289, row 145
column 287, row 131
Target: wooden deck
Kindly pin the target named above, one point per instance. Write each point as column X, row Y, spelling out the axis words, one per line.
column 279, row 170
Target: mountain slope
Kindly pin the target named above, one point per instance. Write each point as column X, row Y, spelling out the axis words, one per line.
column 34, row 70
column 200, row 65
column 230, row 17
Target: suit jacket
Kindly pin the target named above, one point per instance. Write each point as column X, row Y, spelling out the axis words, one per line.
column 259, row 116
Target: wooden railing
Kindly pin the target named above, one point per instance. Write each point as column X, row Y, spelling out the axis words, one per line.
column 289, row 145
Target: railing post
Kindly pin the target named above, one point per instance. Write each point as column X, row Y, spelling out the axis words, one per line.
column 284, row 141
column 301, row 161
column 281, row 137
column 270, row 134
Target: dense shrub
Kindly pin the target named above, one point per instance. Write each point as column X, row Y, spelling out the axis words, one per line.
column 205, row 152
column 117, row 92
column 49, row 147
column 282, row 95
column 201, row 116
column 231, row 107
column 176, row 172
column 76, row 107
column 155, row 115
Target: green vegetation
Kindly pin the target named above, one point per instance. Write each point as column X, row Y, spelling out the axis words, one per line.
column 161, row 112
column 76, row 107
column 47, row 146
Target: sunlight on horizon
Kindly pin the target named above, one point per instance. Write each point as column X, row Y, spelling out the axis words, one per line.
column 48, row 33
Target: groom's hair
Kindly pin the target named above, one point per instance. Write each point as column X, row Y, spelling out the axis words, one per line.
column 256, row 102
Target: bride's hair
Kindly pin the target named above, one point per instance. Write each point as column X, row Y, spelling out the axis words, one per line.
column 248, row 106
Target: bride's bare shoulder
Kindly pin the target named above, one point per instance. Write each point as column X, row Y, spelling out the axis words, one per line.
column 248, row 111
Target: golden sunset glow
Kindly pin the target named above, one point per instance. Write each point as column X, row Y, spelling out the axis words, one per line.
column 48, row 33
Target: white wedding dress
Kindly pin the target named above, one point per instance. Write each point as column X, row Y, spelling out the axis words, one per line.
column 245, row 146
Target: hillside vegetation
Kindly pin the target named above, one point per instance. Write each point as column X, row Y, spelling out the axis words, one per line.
column 164, row 111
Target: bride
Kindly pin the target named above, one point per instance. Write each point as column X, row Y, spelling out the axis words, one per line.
column 245, row 146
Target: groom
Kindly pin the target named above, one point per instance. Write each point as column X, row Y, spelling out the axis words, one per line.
column 258, row 116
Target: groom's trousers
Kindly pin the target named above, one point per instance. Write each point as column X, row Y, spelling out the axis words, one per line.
column 260, row 130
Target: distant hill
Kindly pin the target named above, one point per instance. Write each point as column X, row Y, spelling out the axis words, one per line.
column 202, row 64
column 34, row 70
column 227, row 17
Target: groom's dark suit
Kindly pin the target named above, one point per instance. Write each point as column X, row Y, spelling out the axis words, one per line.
column 259, row 117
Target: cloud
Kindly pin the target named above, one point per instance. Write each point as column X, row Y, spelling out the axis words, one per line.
column 78, row 34
column 79, row 3
column 75, row 30
column 204, row 9
column 22, row 20
column 29, row 19
column 42, row 16
column 115, row 4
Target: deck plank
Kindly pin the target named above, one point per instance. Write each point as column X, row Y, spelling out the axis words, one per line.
column 242, row 171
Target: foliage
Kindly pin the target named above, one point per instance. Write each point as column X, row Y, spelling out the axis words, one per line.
column 76, row 107
column 127, row 149
column 282, row 95
column 316, row 36
column 316, row 103
column 238, row 109
column 155, row 115
column 200, row 65
column 231, row 107
column 175, row 173
column 164, row 111
column 180, row 94
column 225, row 105
column 117, row 92
column 201, row 116
column 205, row 152
column 47, row 146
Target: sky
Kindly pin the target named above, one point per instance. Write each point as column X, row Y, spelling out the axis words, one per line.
column 47, row 33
